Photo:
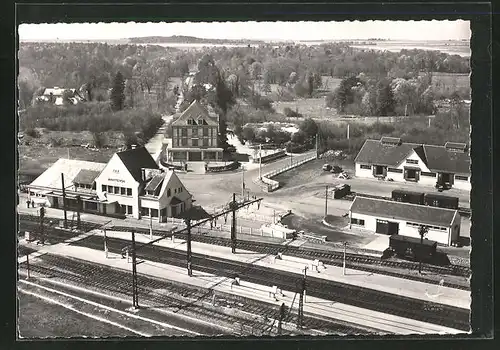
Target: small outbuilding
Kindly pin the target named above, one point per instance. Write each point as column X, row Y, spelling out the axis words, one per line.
column 391, row 218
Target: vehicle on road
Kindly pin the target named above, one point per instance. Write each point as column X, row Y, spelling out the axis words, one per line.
column 343, row 176
column 336, row 169
column 327, row 167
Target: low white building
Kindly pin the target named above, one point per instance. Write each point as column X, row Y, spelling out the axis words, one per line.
column 409, row 162
column 390, row 217
column 130, row 184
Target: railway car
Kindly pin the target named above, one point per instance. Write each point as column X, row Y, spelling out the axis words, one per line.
column 412, row 248
column 441, row 201
column 408, row 196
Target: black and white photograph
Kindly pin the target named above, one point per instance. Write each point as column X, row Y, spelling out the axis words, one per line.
column 203, row 179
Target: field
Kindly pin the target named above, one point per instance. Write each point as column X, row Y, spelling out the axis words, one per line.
column 453, row 81
column 40, row 319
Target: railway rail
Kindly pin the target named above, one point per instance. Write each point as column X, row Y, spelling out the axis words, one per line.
column 445, row 315
column 333, row 258
column 178, row 297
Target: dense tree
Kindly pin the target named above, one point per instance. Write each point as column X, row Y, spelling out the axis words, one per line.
column 117, row 92
column 308, row 127
column 384, row 99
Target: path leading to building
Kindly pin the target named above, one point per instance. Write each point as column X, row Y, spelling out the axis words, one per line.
column 154, row 144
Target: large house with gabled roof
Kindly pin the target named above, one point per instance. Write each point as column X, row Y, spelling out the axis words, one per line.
column 194, row 136
column 130, row 184
column 389, row 157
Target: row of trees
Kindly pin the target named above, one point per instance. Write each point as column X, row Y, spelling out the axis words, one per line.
column 362, row 95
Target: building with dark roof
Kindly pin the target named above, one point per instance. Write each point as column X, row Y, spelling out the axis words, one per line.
column 391, row 217
column 194, row 136
column 129, row 184
column 447, row 165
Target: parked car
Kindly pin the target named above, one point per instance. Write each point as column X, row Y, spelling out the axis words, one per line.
column 343, row 176
column 336, row 169
column 327, row 167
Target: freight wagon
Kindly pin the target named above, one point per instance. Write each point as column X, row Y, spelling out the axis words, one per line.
column 412, row 248
column 408, row 196
column 438, row 200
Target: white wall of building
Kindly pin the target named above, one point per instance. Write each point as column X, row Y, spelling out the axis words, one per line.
column 363, row 173
column 116, row 174
column 405, row 229
column 462, row 184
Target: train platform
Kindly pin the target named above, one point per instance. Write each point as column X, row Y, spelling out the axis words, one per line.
column 409, row 288
column 378, row 321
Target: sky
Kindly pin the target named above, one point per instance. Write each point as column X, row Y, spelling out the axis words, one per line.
column 394, row 30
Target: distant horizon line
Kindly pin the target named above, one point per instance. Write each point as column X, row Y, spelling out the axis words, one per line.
column 240, row 39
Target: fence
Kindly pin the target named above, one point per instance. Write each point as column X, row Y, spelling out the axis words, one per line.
column 273, row 185
column 220, row 168
column 270, row 157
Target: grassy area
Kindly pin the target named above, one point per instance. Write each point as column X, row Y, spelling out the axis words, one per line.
column 43, row 157
column 40, row 319
column 309, row 107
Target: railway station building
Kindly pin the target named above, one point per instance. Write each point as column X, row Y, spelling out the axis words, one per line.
column 194, row 136
column 130, row 184
column 390, row 218
column 389, row 157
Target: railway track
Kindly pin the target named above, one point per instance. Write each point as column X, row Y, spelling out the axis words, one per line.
column 330, row 290
column 178, row 298
column 357, row 261
column 85, row 226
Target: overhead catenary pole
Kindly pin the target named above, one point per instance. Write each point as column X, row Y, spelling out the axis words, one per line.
column 233, row 224
column 343, row 264
column 135, row 296
column 42, row 232
column 64, row 202
column 326, row 201
column 348, row 131
column 150, row 226
column 281, row 317
column 260, row 162
column 105, row 243
column 188, row 247
column 78, row 209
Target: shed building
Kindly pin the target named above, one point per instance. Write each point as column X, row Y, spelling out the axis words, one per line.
column 391, row 217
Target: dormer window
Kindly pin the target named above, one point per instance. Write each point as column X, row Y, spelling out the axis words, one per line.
column 390, row 141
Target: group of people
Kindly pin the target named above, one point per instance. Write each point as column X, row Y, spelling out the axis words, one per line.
column 30, row 201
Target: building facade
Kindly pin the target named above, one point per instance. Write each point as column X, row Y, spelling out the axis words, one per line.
column 130, row 184
column 389, row 217
column 447, row 165
column 194, row 136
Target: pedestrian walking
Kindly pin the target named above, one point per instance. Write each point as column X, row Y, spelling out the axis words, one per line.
column 32, row 203
column 28, row 203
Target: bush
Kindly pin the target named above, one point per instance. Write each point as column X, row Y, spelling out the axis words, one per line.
column 56, row 142
column 32, row 133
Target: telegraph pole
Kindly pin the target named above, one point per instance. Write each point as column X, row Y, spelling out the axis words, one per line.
column 64, row 202
column 326, row 201
column 188, row 247
column 135, row 296
column 233, row 225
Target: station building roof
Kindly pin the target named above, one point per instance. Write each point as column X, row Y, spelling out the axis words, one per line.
column 421, row 214
column 71, row 168
column 451, row 158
